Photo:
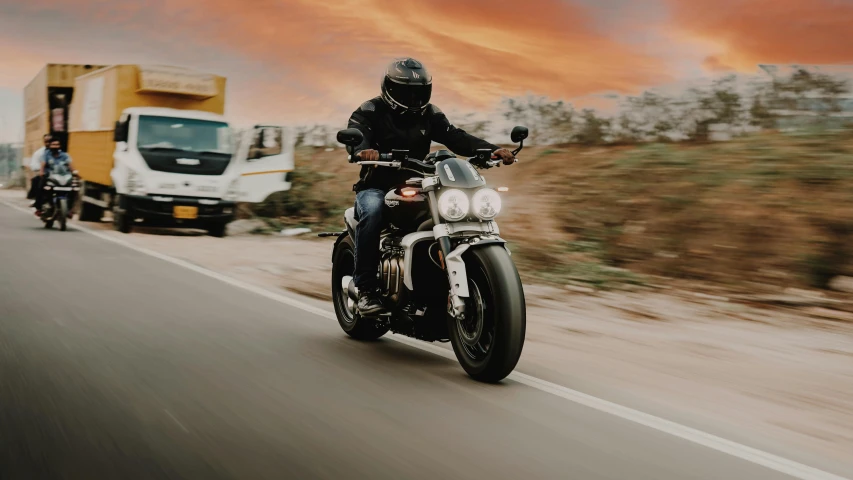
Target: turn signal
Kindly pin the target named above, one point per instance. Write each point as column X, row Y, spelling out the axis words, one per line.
column 409, row 192
column 503, row 189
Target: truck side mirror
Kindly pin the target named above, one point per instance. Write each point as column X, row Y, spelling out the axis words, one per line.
column 267, row 142
column 120, row 132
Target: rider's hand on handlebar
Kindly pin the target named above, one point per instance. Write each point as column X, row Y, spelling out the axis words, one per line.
column 368, row 155
column 505, row 155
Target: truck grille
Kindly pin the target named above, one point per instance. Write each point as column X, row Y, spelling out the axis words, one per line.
column 167, row 161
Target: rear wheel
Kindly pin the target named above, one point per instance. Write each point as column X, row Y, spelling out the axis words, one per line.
column 89, row 212
column 343, row 265
column 489, row 340
column 63, row 213
column 217, row 230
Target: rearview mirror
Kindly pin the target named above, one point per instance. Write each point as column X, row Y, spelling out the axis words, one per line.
column 267, row 141
column 350, row 137
column 120, row 132
column 518, row 134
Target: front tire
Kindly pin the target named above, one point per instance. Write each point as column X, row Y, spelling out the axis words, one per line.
column 489, row 341
column 343, row 265
column 63, row 214
column 122, row 221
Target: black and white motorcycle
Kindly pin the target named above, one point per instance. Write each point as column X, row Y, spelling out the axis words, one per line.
column 60, row 188
column 446, row 273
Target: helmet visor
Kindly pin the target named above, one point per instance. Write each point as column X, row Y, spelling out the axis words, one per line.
column 413, row 97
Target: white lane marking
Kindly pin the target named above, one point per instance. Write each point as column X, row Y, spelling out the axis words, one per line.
column 176, row 420
column 753, row 455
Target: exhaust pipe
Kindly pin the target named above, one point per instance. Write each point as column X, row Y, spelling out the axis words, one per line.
column 348, row 284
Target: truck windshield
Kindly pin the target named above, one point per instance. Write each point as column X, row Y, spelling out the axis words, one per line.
column 184, row 134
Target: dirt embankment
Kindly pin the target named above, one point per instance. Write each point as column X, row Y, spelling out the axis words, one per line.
column 761, row 212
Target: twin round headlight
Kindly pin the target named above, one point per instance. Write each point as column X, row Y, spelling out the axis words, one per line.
column 454, row 205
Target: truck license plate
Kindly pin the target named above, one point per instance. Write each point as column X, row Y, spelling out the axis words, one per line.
column 185, row 212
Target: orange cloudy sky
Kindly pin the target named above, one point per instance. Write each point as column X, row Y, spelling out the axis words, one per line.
column 294, row 61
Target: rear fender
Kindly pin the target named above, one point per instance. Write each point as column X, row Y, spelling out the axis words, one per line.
column 338, row 241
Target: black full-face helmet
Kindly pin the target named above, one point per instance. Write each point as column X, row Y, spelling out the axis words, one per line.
column 407, row 86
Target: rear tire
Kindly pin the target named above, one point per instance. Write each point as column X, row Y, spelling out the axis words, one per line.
column 495, row 286
column 63, row 214
column 343, row 264
column 217, row 230
column 89, row 212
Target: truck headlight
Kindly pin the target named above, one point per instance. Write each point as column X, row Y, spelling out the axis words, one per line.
column 486, row 204
column 453, row 205
column 135, row 184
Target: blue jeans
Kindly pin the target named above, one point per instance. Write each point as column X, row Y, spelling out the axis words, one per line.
column 369, row 206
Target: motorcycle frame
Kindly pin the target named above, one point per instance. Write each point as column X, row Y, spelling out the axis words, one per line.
column 465, row 236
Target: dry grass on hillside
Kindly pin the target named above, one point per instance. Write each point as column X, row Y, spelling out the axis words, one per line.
column 774, row 208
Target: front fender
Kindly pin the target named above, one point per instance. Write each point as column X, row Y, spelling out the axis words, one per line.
column 456, row 272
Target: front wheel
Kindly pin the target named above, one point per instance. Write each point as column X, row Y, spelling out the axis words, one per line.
column 63, row 213
column 122, row 220
column 343, row 265
column 489, row 340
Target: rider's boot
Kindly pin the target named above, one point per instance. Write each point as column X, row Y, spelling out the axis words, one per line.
column 370, row 303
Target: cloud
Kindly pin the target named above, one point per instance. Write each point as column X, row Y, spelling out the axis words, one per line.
column 324, row 58
column 747, row 32
column 714, row 64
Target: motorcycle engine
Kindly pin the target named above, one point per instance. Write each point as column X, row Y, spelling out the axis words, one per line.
column 391, row 268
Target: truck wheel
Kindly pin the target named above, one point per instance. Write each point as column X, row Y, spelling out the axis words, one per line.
column 89, row 212
column 121, row 220
column 217, row 229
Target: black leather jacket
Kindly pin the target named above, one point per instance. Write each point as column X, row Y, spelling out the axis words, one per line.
column 385, row 131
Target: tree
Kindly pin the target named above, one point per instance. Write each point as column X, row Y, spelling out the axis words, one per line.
column 650, row 116
column 548, row 121
column 808, row 91
column 718, row 105
column 479, row 127
column 593, row 130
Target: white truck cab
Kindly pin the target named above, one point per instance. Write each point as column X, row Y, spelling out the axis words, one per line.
column 192, row 167
column 152, row 145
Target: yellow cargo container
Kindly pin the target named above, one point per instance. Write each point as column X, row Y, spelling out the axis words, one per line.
column 104, row 94
column 46, row 101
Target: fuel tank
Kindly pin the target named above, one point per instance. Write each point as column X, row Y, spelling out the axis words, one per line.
column 406, row 212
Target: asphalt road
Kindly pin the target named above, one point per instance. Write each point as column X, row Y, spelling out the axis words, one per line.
column 114, row 364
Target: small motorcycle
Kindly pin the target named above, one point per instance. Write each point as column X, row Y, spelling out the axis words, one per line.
column 446, row 274
column 60, row 187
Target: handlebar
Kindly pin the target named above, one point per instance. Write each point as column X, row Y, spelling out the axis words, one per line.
column 391, row 164
column 387, row 160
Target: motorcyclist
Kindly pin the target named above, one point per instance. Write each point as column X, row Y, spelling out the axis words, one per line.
column 35, row 167
column 54, row 159
column 403, row 118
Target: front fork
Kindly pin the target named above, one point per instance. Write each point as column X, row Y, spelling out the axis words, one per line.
column 452, row 263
